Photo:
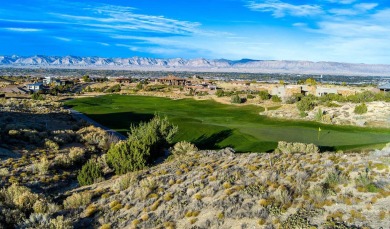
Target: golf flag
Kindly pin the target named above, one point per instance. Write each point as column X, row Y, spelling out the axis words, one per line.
column 318, row 136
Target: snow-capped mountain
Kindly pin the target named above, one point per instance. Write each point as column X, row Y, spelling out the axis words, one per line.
column 200, row 64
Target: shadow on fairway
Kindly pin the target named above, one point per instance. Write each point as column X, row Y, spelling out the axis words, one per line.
column 210, row 142
column 121, row 120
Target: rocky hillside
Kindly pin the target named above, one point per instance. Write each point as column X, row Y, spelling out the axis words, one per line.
column 201, row 64
column 220, row 189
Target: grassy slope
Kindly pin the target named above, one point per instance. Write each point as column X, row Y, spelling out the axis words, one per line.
column 212, row 125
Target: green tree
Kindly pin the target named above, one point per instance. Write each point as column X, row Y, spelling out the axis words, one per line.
column 307, row 103
column 89, row 173
column 220, row 93
column 264, row 95
column 37, row 96
column 310, row 81
column 235, row 99
column 86, row 78
column 146, row 142
column 276, row 99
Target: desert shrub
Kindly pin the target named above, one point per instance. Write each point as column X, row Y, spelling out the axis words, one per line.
column 296, row 147
column 18, row 203
column 302, row 114
column 76, row 154
column 282, row 196
column 51, row 144
column 44, row 221
column 77, row 200
column 125, row 181
column 307, row 103
column 335, row 178
column 366, row 96
column 89, row 173
column 219, row 93
column 14, row 133
column 235, row 99
column 19, row 196
column 4, row 172
column 329, row 98
column 365, row 183
column 318, row 116
column 94, row 136
column 40, row 206
column 42, row 166
column 145, row 142
column 276, row 99
column 264, row 95
column 64, row 136
column 294, row 98
column 63, row 160
column 183, row 148
column 32, row 136
column 61, row 223
column 250, row 97
column 115, row 88
column 37, row 96
column 360, row 109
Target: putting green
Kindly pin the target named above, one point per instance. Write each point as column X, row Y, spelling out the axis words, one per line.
column 211, row 125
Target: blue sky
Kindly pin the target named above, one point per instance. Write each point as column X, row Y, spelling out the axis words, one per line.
column 318, row 30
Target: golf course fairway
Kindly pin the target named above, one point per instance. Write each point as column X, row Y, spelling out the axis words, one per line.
column 211, row 125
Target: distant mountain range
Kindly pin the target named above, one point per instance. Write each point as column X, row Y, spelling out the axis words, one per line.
column 200, row 65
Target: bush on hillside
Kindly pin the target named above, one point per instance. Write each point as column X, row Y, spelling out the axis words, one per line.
column 220, row 93
column 264, row 95
column 294, row 98
column 276, row 99
column 307, row 103
column 183, row 148
column 115, row 88
column 360, row 109
column 235, row 99
column 89, row 173
column 296, row 147
column 145, row 142
column 37, row 96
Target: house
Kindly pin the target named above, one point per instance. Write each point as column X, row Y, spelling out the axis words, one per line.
column 320, row 91
column 385, row 87
column 61, row 82
column 35, row 87
column 123, row 80
column 286, row 90
column 47, row 80
column 172, row 80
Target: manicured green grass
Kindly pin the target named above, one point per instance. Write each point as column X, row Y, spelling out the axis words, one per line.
column 211, row 125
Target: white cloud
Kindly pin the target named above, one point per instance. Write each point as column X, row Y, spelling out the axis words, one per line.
column 122, row 18
column 345, row 2
column 104, row 44
column 281, row 9
column 63, row 39
column 365, row 6
column 24, row 30
column 356, row 9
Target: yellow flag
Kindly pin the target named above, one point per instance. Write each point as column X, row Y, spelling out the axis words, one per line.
column 319, row 128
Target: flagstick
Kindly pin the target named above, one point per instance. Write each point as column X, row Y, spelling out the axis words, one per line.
column 319, row 131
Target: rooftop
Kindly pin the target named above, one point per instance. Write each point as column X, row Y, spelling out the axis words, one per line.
column 385, row 86
column 35, row 84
